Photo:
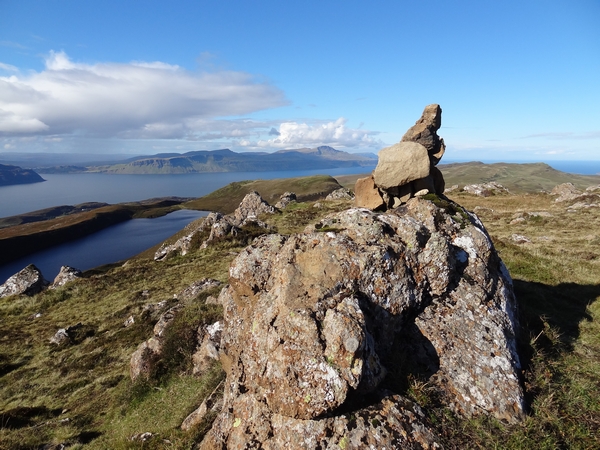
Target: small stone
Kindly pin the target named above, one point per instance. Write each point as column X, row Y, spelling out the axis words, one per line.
column 129, row 321
column 520, row 239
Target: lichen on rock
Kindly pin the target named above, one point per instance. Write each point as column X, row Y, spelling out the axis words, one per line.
column 313, row 323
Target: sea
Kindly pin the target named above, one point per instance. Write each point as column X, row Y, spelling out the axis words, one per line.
column 124, row 240
column 127, row 239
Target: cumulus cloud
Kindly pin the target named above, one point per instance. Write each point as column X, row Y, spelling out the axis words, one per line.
column 335, row 134
column 134, row 100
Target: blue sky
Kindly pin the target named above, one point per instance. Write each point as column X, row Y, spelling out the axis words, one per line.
column 517, row 80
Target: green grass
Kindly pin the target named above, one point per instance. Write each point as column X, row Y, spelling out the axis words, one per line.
column 227, row 199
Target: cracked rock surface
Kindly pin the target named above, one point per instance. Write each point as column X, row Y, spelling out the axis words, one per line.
column 314, row 321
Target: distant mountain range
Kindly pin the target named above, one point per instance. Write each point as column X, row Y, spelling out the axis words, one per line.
column 226, row 160
column 16, row 175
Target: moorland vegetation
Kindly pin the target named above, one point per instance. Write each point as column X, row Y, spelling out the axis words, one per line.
column 80, row 392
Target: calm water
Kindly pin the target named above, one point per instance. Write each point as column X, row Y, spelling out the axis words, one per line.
column 112, row 244
column 72, row 189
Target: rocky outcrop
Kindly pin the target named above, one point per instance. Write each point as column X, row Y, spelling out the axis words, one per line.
column 340, row 194
column 315, row 322
column 197, row 287
column 66, row 275
column 406, row 169
column 565, row 192
column 28, row 281
column 218, row 226
column 149, row 352
column 486, row 189
column 285, row 199
column 251, row 207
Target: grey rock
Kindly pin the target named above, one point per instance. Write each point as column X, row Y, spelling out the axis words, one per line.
column 566, row 192
column 340, row 194
column 209, row 337
column 486, row 189
column 251, row 207
column 285, row 199
column 197, row 287
column 28, row 281
column 312, row 320
column 66, row 275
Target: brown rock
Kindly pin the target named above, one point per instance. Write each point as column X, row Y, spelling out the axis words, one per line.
column 400, row 164
column 439, row 184
column 367, row 195
column 424, row 131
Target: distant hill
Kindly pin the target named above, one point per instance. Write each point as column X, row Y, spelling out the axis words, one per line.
column 226, row 160
column 533, row 177
column 15, row 175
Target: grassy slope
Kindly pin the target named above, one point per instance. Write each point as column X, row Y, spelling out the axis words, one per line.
column 556, row 281
column 517, row 178
column 227, row 199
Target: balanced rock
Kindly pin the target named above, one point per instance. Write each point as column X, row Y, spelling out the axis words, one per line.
column 407, row 169
column 400, row 164
column 28, row 281
column 424, row 131
column 66, row 275
column 315, row 321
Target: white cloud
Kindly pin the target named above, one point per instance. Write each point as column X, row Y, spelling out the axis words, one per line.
column 135, row 100
column 335, row 134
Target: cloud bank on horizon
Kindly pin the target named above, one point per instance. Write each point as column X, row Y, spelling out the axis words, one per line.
column 155, row 100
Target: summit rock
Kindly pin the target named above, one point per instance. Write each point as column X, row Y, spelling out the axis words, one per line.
column 314, row 324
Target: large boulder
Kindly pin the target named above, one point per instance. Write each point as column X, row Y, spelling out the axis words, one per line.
column 315, row 321
column 28, row 281
column 400, row 164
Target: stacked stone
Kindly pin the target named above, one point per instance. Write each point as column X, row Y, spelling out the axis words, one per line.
column 408, row 168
